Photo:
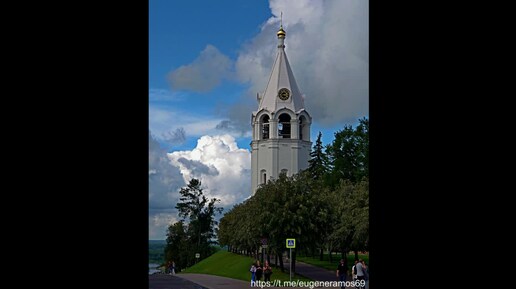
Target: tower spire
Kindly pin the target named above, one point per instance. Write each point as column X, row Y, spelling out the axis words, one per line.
column 281, row 34
column 281, row 77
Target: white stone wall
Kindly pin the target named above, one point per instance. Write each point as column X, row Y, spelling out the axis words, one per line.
column 274, row 155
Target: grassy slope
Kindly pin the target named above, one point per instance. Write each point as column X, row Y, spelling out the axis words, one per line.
column 335, row 261
column 234, row 266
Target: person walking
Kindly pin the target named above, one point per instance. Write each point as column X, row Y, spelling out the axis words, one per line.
column 267, row 271
column 259, row 271
column 354, row 271
column 253, row 274
column 167, row 267
column 342, row 272
column 360, row 273
column 366, row 274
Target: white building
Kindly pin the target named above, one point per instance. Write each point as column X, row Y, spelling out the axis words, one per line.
column 281, row 125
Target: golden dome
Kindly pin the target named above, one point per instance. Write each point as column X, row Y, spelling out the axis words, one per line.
column 281, row 32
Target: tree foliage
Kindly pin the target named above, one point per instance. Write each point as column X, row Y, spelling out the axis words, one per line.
column 348, row 154
column 318, row 163
column 185, row 240
column 325, row 207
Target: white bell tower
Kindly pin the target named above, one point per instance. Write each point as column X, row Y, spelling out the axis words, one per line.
column 281, row 125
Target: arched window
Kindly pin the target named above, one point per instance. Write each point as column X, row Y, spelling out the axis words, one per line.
column 263, row 176
column 284, row 126
column 265, row 127
column 284, row 171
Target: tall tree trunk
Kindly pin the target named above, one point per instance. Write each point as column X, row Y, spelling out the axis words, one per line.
column 356, row 254
column 321, row 256
column 329, row 252
column 280, row 256
column 276, row 259
column 269, row 256
column 199, row 241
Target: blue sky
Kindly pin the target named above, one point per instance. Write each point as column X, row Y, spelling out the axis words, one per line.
column 180, row 30
column 207, row 61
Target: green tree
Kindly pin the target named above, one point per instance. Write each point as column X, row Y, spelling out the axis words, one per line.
column 318, row 163
column 238, row 228
column 324, row 207
column 357, row 215
column 200, row 211
column 351, row 231
column 349, row 153
column 362, row 135
column 176, row 242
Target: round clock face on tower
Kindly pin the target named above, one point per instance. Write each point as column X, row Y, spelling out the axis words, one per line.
column 284, row 94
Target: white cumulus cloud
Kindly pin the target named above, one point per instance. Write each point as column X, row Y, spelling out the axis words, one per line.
column 222, row 167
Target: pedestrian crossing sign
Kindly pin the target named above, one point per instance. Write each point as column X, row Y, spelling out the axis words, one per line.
column 291, row 243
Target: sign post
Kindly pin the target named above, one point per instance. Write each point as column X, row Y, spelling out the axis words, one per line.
column 264, row 246
column 197, row 256
column 291, row 243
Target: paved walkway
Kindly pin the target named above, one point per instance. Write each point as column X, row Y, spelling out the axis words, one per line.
column 164, row 281
column 204, row 281
column 218, row 282
column 214, row 282
column 315, row 273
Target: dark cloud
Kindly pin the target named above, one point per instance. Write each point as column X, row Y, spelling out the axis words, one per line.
column 165, row 180
column 197, row 168
column 176, row 137
column 204, row 73
column 239, row 115
column 224, row 125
